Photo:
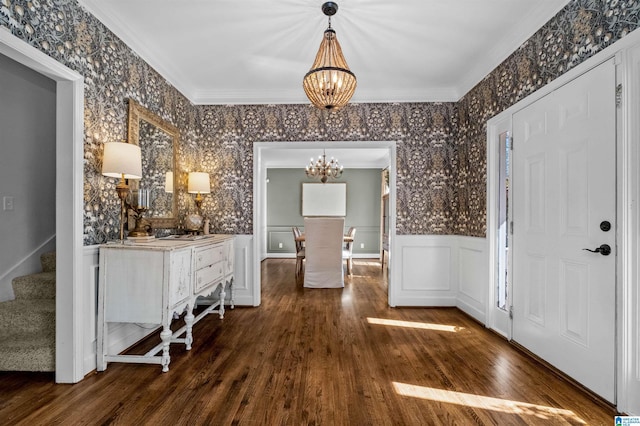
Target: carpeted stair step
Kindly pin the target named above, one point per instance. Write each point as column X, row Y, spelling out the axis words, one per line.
column 27, row 316
column 34, row 351
column 48, row 261
column 28, row 323
column 41, row 285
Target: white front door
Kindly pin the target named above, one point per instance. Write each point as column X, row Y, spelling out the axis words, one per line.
column 564, row 194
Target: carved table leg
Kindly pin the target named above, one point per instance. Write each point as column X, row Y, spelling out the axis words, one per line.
column 222, row 295
column 188, row 319
column 165, row 335
column 233, row 306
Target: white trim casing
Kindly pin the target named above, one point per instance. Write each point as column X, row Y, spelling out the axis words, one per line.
column 628, row 237
column 69, row 200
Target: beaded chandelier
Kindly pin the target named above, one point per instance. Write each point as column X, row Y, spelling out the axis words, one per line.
column 329, row 84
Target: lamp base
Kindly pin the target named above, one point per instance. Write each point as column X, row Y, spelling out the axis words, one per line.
column 193, row 222
column 138, row 233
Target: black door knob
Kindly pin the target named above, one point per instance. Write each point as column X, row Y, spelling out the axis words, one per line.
column 604, row 250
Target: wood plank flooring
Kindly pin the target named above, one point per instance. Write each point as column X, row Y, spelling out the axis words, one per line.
column 317, row 357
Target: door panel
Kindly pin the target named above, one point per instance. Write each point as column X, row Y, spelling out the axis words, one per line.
column 535, row 191
column 535, row 298
column 574, row 186
column 563, row 187
column 574, row 322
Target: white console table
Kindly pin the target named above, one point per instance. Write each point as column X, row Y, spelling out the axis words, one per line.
column 147, row 282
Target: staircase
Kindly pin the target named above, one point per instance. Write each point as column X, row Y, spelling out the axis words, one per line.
column 28, row 323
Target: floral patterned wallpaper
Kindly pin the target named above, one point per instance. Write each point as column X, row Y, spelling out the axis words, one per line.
column 580, row 30
column 426, row 155
column 441, row 165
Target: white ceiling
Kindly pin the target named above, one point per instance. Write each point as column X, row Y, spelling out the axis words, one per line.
column 257, row 51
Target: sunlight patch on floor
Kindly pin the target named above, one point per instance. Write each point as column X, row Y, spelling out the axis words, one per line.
column 486, row 402
column 413, row 324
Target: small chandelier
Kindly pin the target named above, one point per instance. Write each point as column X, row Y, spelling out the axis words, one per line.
column 329, row 84
column 323, row 170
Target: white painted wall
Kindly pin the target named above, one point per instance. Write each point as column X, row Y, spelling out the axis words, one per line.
column 27, row 170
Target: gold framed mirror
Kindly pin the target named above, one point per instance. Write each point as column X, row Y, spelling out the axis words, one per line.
column 158, row 140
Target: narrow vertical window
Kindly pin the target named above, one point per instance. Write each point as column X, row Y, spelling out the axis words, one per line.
column 503, row 221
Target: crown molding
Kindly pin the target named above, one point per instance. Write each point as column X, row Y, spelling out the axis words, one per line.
column 427, row 94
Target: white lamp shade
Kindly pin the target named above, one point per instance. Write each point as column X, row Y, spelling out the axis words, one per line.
column 122, row 159
column 168, row 182
column 199, row 183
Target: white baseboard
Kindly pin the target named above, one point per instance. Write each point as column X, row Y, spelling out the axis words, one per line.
column 426, row 301
column 471, row 310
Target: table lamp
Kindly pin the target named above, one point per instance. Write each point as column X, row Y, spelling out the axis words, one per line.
column 199, row 184
column 124, row 161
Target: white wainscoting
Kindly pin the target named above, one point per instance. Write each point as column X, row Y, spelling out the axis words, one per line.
column 367, row 235
column 431, row 270
column 473, row 277
column 244, row 292
column 89, row 297
column 121, row 336
column 441, row 270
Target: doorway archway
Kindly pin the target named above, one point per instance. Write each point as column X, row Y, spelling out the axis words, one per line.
column 266, row 154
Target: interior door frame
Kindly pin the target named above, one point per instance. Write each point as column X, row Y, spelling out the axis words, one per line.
column 627, row 194
column 260, row 204
column 69, row 201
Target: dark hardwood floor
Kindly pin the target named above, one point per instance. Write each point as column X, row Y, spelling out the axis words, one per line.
column 317, row 357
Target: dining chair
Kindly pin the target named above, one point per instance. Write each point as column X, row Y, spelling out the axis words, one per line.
column 347, row 251
column 323, row 252
column 300, row 252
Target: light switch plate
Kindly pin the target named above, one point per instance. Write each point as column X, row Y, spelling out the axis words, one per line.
column 7, row 203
